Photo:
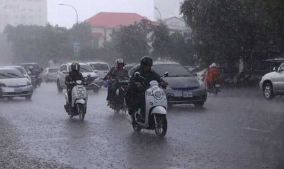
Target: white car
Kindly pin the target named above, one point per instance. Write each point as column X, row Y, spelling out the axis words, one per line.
column 85, row 69
column 272, row 83
column 14, row 84
column 101, row 68
column 50, row 75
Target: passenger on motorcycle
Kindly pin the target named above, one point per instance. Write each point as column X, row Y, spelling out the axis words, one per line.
column 212, row 75
column 117, row 72
column 71, row 79
column 135, row 98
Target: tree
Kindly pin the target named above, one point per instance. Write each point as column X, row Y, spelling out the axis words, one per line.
column 226, row 31
column 130, row 42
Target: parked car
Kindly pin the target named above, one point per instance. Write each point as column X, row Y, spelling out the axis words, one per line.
column 21, row 69
column 101, row 68
column 272, row 83
column 50, row 75
column 85, row 70
column 184, row 87
column 14, row 84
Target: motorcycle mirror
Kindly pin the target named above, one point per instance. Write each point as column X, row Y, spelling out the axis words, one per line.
column 137, row 74
column 166, row 74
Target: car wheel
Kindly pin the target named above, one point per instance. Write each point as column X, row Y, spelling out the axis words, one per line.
column 28, row 97
column 199, row 104
column 60, row 90
column 268, row 91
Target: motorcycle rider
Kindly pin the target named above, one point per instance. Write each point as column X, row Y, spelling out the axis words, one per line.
column 213, row 74
column 71, row 79
column 117, row 71
column 135, row 97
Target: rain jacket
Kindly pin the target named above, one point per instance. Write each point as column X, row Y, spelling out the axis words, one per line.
column 212, row 75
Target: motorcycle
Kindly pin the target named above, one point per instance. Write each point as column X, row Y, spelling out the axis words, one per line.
column 155, row 110
column 216, row 87
column 78, row 105
column 118, row 98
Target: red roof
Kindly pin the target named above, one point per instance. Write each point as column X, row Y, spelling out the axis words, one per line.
column 114, row 20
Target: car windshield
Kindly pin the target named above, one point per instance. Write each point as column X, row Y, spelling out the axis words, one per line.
column 21, row 69
column 53, row 70
column 10, row 74
column 84, row 68
column 99, row 66
column 174, row 70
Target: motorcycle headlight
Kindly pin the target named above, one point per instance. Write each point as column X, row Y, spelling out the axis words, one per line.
column 158, row 94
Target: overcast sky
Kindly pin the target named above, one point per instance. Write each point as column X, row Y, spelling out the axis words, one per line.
column 65, row 16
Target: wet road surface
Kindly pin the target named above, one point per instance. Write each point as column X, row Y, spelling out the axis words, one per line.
column 236, row 129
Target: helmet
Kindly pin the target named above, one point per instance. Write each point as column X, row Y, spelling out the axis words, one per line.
column 146, row 61
column 75, row 66
column 119, row 61
column 213, row 65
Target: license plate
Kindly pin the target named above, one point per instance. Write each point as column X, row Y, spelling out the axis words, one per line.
column 187, row 94
column 217, row 85
column 18, row 90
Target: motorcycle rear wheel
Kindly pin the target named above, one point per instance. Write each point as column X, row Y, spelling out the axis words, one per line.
column 136, row 127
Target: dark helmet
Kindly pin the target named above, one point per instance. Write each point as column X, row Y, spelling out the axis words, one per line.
column 146, row 61
column 75, row 66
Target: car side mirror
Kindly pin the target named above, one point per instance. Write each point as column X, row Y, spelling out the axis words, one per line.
column 137, row 74
column 166, row 74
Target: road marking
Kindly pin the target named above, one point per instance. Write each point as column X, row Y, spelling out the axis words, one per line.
column 258, row 130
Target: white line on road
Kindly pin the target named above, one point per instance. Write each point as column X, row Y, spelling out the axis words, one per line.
column 258, row 130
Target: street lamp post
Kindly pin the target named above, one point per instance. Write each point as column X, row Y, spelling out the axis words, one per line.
column 159, row 12
column 77, row 45
column 73, row 8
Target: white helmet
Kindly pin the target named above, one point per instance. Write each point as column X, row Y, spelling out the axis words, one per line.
column 119, row 61
column 213, row 65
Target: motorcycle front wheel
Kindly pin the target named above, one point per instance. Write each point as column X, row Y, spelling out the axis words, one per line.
column 81, row 111
column 161, row 125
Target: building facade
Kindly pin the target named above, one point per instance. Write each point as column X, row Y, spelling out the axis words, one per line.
column 178, row 25
column 26, row 12
column 104, row 23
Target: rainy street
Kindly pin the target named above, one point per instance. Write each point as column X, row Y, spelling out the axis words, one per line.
column 236, row 129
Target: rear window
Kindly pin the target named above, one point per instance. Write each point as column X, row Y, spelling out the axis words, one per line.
column 10, row 74
column 174, row 70
column 35, row 67
column 99, row 66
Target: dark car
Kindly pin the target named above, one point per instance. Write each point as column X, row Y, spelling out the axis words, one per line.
column 184, row 87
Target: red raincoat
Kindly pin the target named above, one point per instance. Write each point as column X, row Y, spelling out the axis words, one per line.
column 212, row 75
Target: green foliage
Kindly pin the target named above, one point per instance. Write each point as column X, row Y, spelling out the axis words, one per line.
column 41, row 44
column 225, row 30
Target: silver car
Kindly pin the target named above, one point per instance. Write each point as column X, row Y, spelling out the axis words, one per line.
column 14, row 84
column 272, row 83
column 184, row 87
